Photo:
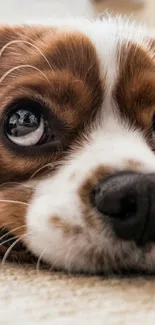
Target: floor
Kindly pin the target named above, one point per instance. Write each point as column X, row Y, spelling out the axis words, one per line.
column 31, row 297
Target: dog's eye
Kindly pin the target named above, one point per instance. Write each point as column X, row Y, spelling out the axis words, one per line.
column 29, row 124
column 25, row 127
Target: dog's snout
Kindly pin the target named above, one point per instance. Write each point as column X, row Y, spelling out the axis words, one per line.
column 127, row 200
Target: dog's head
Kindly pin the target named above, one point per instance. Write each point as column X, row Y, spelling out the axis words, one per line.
column 77, row 135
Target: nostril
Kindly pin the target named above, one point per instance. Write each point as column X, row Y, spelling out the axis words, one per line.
column 128, row 207
column 106, row 202
column 116, row 196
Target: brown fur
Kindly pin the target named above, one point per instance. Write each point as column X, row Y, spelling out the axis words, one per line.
column 67, row 228
column 72, row 93
column 12, row 218
column 85, row 194
column 135, row 89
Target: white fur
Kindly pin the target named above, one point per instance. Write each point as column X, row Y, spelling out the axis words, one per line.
column 109, row 142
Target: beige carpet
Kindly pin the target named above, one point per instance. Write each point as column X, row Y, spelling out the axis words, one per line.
column 28, row 297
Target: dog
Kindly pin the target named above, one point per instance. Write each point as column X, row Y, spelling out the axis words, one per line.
column 77, row 163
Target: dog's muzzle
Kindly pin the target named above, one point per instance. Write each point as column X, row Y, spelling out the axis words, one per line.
column 127, row 200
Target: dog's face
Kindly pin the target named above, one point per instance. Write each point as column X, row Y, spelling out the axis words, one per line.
column 77, row 135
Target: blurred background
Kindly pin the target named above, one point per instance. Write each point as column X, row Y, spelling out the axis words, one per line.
column 17, row 11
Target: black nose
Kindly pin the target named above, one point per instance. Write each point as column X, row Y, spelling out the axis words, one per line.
column 127, row 201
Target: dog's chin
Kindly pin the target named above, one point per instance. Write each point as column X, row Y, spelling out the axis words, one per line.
column 104, row 256
column 143, row 263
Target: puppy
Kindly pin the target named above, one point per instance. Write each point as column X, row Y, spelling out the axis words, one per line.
column 77, row 139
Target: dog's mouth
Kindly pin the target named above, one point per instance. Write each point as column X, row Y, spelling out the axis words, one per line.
column 19, row 251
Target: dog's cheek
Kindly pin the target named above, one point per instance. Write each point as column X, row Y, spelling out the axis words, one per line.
column 14, row 202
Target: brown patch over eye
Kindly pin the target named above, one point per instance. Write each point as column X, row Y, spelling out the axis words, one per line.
column 57, row 69
column 135, row 89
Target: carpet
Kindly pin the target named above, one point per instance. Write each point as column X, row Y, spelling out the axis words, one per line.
column 30, row 297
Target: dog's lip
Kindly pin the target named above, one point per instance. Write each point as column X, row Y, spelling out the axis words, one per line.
column 147, row 248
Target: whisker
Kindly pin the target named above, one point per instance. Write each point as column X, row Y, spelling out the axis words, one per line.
column 16, row 202
column 21, row 67
column 26, row 42
column 6, row 224
column 9, row 239
column 52, row 165
column 39, row 260
column 89, row 69
column 10, row 232
column 15, row 183
column 10, row 248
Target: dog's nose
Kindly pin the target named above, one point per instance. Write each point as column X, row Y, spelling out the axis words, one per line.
column 127, row 201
